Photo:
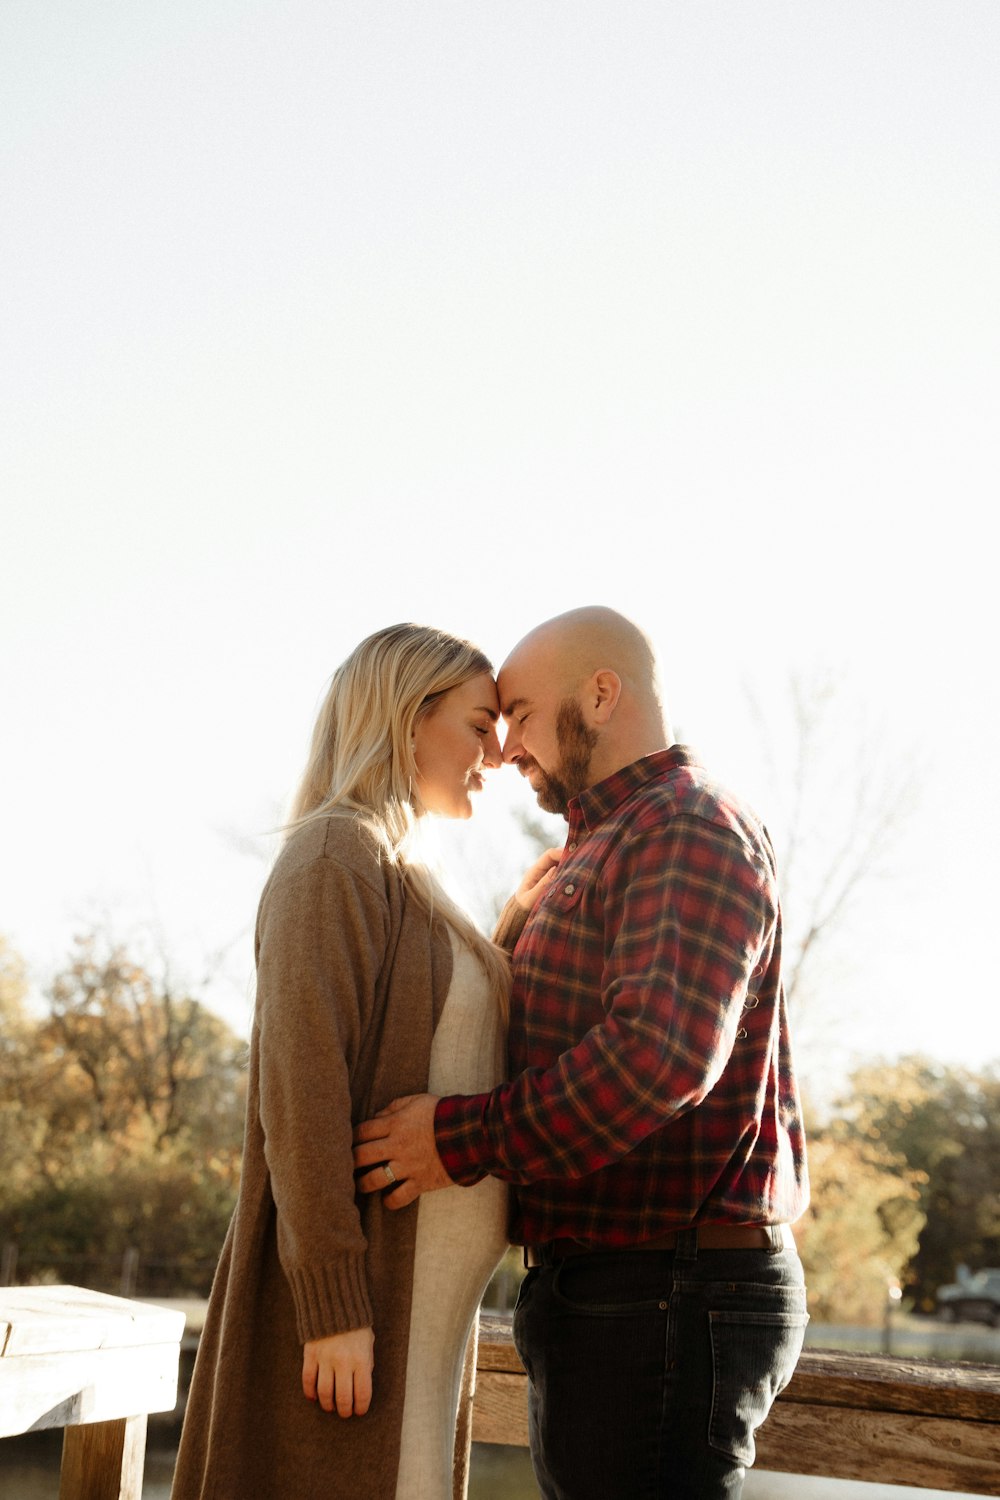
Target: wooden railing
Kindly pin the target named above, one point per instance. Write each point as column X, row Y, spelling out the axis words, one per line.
column 844, row 1416
column 98, row 1365
column 95, row 1365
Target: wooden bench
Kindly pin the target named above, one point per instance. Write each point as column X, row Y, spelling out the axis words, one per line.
column 95, row 1365
column 844, row 1416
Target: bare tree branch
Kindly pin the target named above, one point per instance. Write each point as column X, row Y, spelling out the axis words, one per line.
column 843, row 801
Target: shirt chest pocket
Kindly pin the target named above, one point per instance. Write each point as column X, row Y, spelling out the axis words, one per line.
column 559, row 938
column 567, row 892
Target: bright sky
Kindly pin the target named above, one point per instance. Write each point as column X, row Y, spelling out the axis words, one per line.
column 319, row 317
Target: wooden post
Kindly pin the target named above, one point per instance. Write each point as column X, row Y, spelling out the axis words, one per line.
column 130, row 1272
column 104, row 1460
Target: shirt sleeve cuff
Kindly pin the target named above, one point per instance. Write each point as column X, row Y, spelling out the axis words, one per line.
column 460, row 1138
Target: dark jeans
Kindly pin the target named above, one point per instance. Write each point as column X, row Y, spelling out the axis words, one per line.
column 650, row 1370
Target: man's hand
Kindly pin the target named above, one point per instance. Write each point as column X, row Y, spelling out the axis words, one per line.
column 401, row 1137
column 337, row 1371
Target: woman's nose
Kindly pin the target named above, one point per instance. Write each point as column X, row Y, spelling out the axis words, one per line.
column 492, row 754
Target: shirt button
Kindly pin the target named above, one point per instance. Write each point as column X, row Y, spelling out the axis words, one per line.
column 568, row 890
column 571, row 844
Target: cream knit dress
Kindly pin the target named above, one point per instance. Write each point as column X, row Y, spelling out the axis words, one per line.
column 461, row 1235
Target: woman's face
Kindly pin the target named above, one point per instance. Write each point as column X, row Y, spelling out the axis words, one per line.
column 452, row 743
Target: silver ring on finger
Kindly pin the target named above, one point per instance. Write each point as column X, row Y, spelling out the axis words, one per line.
column 390, row 1175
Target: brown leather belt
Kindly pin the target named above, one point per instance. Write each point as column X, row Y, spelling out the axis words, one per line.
column 710, row 1237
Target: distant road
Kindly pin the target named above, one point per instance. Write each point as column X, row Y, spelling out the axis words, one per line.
column 914, row 1338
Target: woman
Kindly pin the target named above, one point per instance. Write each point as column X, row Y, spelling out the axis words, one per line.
column 332, row 1355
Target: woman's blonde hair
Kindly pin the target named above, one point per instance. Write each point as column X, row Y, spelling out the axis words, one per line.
column 361, row 758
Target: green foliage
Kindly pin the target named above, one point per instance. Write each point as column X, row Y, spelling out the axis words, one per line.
column 905, row 1187
column 944, row 1122
column 121, row 1119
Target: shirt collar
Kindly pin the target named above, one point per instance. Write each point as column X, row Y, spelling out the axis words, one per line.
column 598, row 802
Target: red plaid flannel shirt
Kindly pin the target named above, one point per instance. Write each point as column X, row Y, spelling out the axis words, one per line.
column 652, row 1083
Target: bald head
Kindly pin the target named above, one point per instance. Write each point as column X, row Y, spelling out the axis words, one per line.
column 600, row 661
column 578, row 643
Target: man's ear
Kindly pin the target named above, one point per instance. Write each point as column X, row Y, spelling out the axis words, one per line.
column 603, row 693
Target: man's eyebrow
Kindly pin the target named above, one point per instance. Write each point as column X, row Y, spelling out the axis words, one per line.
column 512, row 706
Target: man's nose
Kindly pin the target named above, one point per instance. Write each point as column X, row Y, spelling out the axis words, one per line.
column 512, row 747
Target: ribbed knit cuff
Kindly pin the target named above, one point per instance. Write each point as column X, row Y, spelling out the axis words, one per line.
column 331, row 1298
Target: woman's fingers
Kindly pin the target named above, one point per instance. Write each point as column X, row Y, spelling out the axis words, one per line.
column 343, row 1395
column 310, row 1370
column 325, row 1386
column 337, row 1371
column 538, row 877
column 362, row 1391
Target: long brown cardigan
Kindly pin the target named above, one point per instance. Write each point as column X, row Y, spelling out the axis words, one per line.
column 351, row 980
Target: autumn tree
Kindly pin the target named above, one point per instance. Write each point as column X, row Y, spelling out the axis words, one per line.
column 132, row 1055
column 861, row 1228
column 129, row 1095
column 16, row 1066
column 944, row 1123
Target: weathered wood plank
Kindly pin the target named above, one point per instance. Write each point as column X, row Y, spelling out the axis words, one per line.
column 55, row 1390
column 500, row 1409
column 40, row 1319
column 881, row 1448
column 496, row 1345
column 104, row 1460
column 905, row 1385
column 71, row 1355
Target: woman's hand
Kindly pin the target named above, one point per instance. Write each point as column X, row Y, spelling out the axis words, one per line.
column 337, row 1371
column 537, row 878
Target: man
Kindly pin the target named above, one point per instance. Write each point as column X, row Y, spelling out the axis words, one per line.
column 652, row 1127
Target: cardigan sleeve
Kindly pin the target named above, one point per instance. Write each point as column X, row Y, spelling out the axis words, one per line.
column 322, row 940
column 510, row 925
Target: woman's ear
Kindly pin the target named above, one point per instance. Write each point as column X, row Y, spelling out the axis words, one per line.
column 604, row 693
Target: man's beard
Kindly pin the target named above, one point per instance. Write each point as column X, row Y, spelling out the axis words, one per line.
column 576, row 746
